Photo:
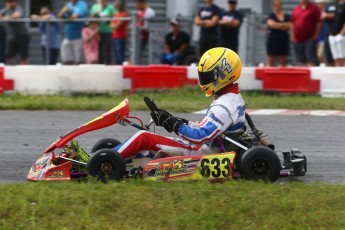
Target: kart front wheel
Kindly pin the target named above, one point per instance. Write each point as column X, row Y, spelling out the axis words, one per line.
column 260, row 163
column 106, row 143
column 106, row 164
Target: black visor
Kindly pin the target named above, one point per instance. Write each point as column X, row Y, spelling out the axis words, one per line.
column 208, row 77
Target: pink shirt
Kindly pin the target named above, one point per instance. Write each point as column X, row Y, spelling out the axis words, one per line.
column 90, row 47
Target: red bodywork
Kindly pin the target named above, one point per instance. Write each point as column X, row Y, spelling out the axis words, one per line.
column 52, row 167
column 109, row 118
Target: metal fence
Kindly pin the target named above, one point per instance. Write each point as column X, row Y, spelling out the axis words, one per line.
column 252, row 38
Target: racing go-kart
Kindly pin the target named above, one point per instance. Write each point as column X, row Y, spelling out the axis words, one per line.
column 246, row 154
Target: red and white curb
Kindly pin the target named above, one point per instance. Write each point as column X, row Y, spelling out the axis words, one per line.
column 289, row 112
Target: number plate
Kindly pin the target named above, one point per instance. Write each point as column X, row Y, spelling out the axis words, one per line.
column 217, row 166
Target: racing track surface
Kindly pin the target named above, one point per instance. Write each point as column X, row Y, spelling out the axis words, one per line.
column 24, row 135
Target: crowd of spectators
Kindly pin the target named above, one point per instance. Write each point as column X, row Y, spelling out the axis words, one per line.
column 91, row 42
column 314, row 29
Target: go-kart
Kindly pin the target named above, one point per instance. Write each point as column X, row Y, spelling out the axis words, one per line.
column 246, row 154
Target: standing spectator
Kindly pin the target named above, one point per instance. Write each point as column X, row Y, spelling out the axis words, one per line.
column 120, row 32
column 176, row 43
column 207, row 19
column 306, row 24
column 230, row 23
column 327, row 17
column 2, row 44
column 104, row 10
column 91, row 39
column 323, row 32
column 72, row 44
column 53, row 44
column 278, row 39
column 337, row 34
column 20, row 40
column 144, row 13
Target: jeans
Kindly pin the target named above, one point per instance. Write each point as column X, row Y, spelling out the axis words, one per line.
column 53, row 55
column 2, row 44
column 119, row 48
column 171, row 58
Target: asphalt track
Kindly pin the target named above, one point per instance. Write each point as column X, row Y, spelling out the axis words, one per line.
column 24, row 135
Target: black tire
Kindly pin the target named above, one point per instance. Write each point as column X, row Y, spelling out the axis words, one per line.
column 106, row 143
column 106, row 164
column 260, row 163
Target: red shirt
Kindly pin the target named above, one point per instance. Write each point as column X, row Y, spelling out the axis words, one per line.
column 121, row 32
column 305, row 21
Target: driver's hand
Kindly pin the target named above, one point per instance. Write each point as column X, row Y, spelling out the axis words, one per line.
column 159, row 119
column 160, row 116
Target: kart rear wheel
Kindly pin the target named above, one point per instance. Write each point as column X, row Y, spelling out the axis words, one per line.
column 106, row 143
column 260, row 163
column 106, row 164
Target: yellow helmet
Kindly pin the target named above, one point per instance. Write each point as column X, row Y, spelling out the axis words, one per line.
column 218, row 67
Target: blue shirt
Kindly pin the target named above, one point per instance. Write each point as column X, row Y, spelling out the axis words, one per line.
column 54, row 34
column 73, row 29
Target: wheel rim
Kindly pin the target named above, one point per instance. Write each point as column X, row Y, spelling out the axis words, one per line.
column 105, row 167
column 260, row 167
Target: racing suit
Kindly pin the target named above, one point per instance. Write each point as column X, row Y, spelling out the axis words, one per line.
column 226, row 113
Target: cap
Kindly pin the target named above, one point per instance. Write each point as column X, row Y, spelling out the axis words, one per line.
column 175, row 21
column 232, row 1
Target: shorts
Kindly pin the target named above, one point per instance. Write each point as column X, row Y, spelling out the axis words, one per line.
column 306, row 52
column 337, row 45
column 19, row 44
column 72, row 51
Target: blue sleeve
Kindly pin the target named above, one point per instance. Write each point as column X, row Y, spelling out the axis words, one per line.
column 199, row 135
column 81, row 9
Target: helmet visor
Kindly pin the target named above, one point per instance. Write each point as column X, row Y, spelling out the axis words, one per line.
column 206, row 78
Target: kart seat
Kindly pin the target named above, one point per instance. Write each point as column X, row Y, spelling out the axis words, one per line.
column 163, row 154
column 214, row 146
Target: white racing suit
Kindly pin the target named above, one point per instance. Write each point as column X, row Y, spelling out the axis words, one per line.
column 226, row 113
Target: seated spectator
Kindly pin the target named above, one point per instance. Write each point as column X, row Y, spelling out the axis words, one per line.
column 72, row 44
column 120, row 32
column 278, row 39
column 103, row 9
column 90, row 34
column 20, row 40
column 175, row 44
column 337, row 34
column 53, row 34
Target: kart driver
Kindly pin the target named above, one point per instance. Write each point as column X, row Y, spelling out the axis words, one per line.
column 218, row 69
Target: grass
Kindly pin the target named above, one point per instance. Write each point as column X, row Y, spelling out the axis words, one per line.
column 186, row 99
column 154, row 205
column 158, row 205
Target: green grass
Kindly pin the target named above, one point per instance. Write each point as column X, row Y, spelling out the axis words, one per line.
column 158, row 205
column 187, row 99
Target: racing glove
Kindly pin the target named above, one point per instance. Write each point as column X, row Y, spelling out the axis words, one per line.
column 166, row 120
